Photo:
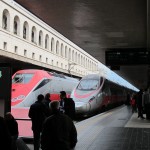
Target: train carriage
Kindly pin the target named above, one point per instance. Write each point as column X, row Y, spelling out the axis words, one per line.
column 28, row 84
column 95, row 93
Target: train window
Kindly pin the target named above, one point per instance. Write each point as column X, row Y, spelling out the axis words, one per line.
column 88, row 84
column 22, row 78
column 44, row 82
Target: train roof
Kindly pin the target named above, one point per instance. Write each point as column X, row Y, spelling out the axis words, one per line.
column 91, row 76
column 50, row 73
column 62, row 76
column 112, row 78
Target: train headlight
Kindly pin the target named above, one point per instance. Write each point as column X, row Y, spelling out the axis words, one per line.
column 20, row 97
column 91, row 99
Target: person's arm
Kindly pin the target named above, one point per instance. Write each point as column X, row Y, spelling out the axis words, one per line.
column 30, row 114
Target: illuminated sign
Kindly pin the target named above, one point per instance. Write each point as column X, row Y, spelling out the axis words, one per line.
column 0, row 74
column 127, row 57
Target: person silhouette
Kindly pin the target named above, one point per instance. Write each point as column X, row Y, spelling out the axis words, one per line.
column 38, row 114
column 12, row 126
column 139, row 104
column 5, row 137
column 59, row 132
column 67, row 104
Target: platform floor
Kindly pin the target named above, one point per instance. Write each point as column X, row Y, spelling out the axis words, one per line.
column 117, row 129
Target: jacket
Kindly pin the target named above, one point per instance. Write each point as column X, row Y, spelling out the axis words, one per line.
column 59, row 133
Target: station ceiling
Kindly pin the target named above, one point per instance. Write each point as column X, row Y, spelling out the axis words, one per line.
column 98, row 26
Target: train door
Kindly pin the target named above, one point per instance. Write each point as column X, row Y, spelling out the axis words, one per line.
column 98, row 96
column 105, row 94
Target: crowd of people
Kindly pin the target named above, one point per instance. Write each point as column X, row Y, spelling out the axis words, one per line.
column 52, row 124
column 52, row 121
column 140, row 102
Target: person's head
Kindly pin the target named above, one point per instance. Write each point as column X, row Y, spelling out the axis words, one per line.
column 47, row 96
column 40, row 97
column 54, row 106
column 62, row 94
column 9, row 116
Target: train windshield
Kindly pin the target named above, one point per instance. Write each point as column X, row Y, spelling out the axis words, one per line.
column 88, row 84
column 22, row 78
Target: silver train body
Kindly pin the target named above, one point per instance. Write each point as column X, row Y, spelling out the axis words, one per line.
column 94, row 93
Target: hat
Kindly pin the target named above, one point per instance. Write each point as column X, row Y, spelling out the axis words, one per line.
column 63, row 92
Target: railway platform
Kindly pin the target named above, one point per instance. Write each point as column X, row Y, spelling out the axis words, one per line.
column 117, row 129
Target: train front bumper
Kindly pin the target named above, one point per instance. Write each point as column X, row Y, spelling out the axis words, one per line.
column 82, row 108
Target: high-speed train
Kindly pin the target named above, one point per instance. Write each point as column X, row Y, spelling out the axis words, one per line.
column 95, row 93
column 28, row 84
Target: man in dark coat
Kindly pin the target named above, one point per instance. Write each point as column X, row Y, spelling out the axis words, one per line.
column 67, row 104
column 139, row 104
column 37, row 113
column 12, row 126
column 59, row 132
column 5, row 137
column 146, row 103
column 46, row 102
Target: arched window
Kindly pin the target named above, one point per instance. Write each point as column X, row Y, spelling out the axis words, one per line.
column 6, row 20
column 16, row 25
column 73, row 55
column 52, row 44
column 57, row 47
column 66, row 52
column 62, row 50
column 33, row 35
column 81, row 60
column 46, row 41
column 26, row 30
column 76, row 57
column 69, row 56
column 86, row 62
column 40, row 38
column 90, row 65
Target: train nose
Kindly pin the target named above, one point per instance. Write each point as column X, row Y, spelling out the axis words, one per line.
column 82, row 108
